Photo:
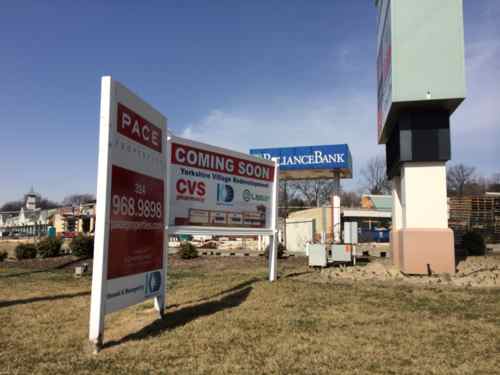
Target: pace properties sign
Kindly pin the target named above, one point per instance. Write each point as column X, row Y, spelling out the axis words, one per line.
column 149, row 186
column 130, row 241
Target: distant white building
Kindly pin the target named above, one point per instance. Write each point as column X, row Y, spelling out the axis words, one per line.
column 29, row 221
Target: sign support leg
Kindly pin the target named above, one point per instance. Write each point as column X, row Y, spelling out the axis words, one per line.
column 273, row 257
column 273, row 245
column 160, row 301
column 100, row 264
column 98, row 298
column 96, row 331
column 160, row 304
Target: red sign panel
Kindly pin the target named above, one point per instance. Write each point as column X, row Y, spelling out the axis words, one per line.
column 212, row 161
column 136, row 223
column 135, row 127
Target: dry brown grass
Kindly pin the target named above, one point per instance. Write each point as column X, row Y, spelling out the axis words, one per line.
column 224, row 318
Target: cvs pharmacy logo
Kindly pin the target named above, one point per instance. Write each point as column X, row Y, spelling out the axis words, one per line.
column 190, row 190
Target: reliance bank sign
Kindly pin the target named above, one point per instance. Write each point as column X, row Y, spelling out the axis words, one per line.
column 310, row 161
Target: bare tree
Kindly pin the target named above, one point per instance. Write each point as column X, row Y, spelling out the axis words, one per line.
column 316, row 192
column 374, row 176
column 296, row 204
column 494, row 183
column 350, row 199
column 46, row 204
column 458, row 177
column 41, row 202
column 12, row 206
column 77, row 199
column 286, row 195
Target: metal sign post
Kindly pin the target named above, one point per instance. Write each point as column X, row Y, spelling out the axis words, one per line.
column 273, row 245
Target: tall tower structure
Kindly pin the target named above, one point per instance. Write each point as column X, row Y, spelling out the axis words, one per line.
column 421, row 82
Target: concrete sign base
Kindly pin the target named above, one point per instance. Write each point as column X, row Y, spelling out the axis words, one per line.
column 424, row 251
column 421, row 241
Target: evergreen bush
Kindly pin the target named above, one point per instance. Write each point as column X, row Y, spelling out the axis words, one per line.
column 49, row 247
column 473, row 243
column 281, row 250
column 188, row 250
column 82, row 246
column 25, row 251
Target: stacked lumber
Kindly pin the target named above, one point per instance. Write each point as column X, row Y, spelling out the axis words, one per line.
column 480, row 213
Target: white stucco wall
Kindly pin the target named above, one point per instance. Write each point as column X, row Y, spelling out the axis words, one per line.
column 423, row 195
column 397, row 210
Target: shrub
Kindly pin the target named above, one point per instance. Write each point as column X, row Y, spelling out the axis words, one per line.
column 25, row 251
column 82, row 246
column 3, row 256
column 473, row 243
column 188, row 251
column 49, row 247
column 281, row 250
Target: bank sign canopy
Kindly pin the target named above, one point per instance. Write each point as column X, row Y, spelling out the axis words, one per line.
column 310, row 162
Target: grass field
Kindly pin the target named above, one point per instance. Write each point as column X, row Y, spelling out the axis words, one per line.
column 223, row 317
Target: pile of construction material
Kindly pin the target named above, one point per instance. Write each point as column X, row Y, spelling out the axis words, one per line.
column 472, row 272
column 480, row 213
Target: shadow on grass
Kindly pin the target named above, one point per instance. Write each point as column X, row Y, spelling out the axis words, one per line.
column 185, row 315
column 40, row 299
column 295, row 274
column 55, row 268
column 232, row 289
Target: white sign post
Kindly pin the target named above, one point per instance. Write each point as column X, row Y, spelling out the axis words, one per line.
column 273, row 249
column 130, row 239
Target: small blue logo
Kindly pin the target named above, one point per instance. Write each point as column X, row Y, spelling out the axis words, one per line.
column 153, row 283
column 225, row 193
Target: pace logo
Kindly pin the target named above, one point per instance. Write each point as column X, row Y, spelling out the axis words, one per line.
column 225, row 193
column 153, row 283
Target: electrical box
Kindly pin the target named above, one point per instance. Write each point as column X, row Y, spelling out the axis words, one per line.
column 317, row 255
column 342, row 253
column 351, row 232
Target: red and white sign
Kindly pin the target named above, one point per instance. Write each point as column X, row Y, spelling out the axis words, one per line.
column 219, row 188
column 130, row 241
column 183, row 154
column 135, row 127
column 137, row 223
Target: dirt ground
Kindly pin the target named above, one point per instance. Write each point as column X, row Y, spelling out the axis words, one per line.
column 224, row 317
column 479, row 271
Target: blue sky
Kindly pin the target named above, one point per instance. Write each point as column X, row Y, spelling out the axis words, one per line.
column 239, row 74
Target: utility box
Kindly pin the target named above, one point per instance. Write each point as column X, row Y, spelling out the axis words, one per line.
column 351, row 232
column 342, row 253
column 317, row 255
